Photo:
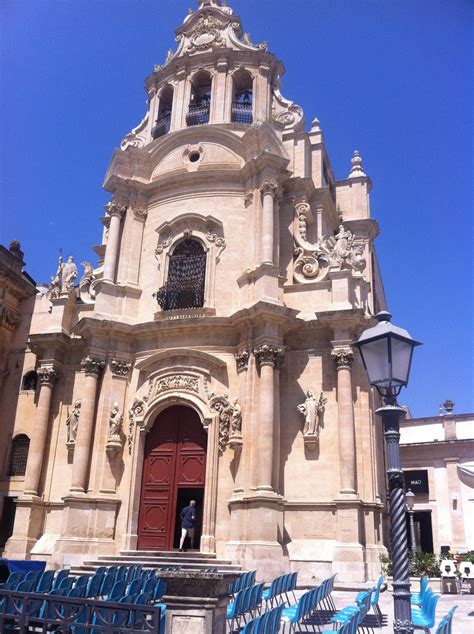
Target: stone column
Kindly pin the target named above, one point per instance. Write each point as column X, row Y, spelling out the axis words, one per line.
column 115, row 211
column 268, row 190
column 269, row 357
column 343, row 357
column 219, row 97
column 242, row 363
column 92, row 368
column 47, row 377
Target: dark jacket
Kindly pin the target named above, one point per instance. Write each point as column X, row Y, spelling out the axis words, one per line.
column 188, row 515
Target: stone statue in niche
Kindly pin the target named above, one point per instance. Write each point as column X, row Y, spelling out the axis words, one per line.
column 72, row 423
column 114, row 441
column 313, row 412
column 230, row 421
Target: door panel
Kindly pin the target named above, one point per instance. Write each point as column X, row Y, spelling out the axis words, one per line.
column 175, row 457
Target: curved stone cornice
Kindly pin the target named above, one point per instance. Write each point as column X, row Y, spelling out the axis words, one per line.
column 198, row 358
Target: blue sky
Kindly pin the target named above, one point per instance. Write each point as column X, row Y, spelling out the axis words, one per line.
column 392, row 79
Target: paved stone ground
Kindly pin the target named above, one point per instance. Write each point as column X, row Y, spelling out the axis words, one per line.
column 463, row 622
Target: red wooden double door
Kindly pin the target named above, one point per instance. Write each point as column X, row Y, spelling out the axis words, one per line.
column 173, row 474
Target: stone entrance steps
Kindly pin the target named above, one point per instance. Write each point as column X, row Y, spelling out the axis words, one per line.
column 159, row 559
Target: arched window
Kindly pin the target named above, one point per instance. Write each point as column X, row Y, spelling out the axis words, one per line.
column 200, row 104
column 242, row 98
column 30, row 381
column 163, row 121
column 186, row 277
column 19, row 455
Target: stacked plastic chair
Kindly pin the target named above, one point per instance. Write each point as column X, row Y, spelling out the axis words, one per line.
column 268, row 623
column 445, row 625
column 280, row 586
column 244, row 580
column 424, row 616
column 247, row 603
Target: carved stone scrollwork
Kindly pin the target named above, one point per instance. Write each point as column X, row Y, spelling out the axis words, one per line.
column 86, row 287
column 140, row 212
column 48, row 375
column 136, row 410
column 92, row 366
column 313, row 261
column 242, row 359
column 175, row 382
column 218, row 241
column 269, row 354
column 230, row 421
column 8, row 318
column 120, row 368
column 343, row 357
column 269, row 187
column 164, row 244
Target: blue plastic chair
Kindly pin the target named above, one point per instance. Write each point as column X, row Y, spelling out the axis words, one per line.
column 296, row 613
column 66, row 583
column 159, row 590
column 45, row 582
column 445, row 625
column 425, row 619
column 101, row 570
column 107, row 583
column 94, row 585
column 47, row 610
column 62, row 574
column 268, row 623
column 118, row 590
column 136, row 587
column 236, row 609
column 82, row 580
column 417, row 597
column 13, row 579
column 349, row 627
column 374, row 600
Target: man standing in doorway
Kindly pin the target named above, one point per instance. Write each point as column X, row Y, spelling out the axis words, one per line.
column 188, row 520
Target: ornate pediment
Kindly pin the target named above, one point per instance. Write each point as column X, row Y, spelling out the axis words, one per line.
column 212, row 26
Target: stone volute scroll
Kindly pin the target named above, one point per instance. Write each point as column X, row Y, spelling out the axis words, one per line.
column 230, row 421
column 114, row 440
column 313, row 411
column 72, row 424
column 334, row 252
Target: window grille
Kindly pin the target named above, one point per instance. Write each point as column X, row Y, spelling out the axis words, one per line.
column 198, row 113
column 19, row 455
column 30, row 380
column 186, row 278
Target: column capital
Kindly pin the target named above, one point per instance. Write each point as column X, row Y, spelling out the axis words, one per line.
column 343, row 357
column 47, row 375
column 114, row 208
column 92, row 365
column 269, row 187
column 269, row 354
column 120, row 368
column 242, row 359
column 140, row 212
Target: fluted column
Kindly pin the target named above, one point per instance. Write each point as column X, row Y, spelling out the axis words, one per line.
column 343, row 357
column 92, row 368
column 269, row 358
column 268, row 190
column 115, row 211
column 47, row 376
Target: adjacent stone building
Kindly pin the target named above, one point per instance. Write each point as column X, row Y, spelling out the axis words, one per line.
column 208, row 354
column 437, row 455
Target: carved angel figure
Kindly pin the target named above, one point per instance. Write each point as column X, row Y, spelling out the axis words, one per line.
column 72, row 422
column 115, row 421
column 313, row 411
column 343, row 242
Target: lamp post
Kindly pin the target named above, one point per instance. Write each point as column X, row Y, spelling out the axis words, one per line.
column 386, row 352
column 410, row 501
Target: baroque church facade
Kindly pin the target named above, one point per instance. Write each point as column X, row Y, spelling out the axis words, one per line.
column 208, row 355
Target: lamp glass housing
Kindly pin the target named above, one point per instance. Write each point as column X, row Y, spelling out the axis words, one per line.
column 386, row 352
column 410, row 499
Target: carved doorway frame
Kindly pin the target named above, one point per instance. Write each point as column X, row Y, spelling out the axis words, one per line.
column 209, row 420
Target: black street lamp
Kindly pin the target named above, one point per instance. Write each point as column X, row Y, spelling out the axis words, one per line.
column 410, row 501
column 386, row 352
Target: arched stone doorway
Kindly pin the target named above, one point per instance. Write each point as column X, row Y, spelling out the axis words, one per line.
column 174, row 471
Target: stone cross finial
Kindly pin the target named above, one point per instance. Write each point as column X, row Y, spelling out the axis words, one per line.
column 356, row 170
